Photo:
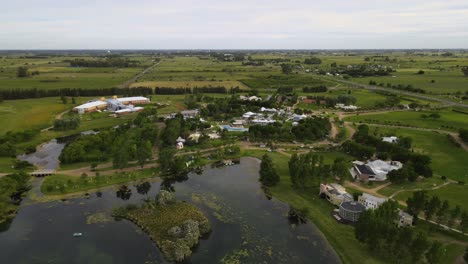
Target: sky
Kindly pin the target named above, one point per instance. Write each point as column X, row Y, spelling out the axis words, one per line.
column 238, row 24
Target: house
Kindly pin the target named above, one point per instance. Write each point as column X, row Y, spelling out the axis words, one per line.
column 376, row 170
column 351, row 210
column 262, row 121
column 238, row 123
column 180, row 143
column 391, row 139
column 309, row 101
column 187, row 114
column 270, row 110
column 404, row 219
column 248, row 115
column 370, row 201
column 250, row 98
column 346, row 107
column 334, row 193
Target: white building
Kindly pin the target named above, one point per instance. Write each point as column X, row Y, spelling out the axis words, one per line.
column 248, row 115
column 370, row 201
column 113, row 104
column 262, row 121
column 391, row 139
column 346, row 107
column 190, row 113
column 376, row 170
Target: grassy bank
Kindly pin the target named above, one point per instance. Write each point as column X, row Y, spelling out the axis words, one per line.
column 64, row 184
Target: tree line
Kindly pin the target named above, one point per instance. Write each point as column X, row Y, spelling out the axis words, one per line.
column 109, row 62
column 307, row 129
column 432, row 206
column 12, row 94
column 9, row 141
column 316, row 89
column 308, row 170
column 194, row 90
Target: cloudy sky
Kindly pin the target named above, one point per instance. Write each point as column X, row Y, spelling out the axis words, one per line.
column 239, row 24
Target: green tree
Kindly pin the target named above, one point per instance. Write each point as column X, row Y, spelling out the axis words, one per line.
column 22, row 72
column 432, row 206
column 419, row 246
column 268, row 174
column 417, row 203
column 286, row 68
column 435, row 253
column 143, row 152
column 465, row 70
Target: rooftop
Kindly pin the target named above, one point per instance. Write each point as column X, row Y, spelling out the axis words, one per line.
column 353, row 206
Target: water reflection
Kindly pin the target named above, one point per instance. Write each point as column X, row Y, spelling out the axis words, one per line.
column 124, row 192
column 143, row 188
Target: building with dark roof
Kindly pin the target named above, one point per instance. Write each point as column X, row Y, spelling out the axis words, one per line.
column 351, row 210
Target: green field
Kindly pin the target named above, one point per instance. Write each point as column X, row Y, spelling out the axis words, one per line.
column 17, row 115
column 54, row 73
column 447, row 159
column 448, row 120
column 450, row 81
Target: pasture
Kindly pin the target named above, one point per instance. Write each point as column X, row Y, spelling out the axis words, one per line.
column 449, row 120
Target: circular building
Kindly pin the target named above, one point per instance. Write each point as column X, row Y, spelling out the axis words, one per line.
column 351, row 210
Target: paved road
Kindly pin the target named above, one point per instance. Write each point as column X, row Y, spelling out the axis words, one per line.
column 136, row 77
column 421, row 96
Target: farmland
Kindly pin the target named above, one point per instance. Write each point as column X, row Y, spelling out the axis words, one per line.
column 278, row 79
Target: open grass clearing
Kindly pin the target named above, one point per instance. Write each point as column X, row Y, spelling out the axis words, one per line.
column 449, row 120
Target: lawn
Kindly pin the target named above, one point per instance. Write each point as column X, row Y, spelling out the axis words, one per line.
column 449, row 120
column 455, row 194
column 17, row 115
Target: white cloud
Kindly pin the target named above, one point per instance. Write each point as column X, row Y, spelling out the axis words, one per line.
column 52, row 24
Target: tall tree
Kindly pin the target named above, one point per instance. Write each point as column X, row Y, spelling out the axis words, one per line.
column 144, row 152
column 268, row 174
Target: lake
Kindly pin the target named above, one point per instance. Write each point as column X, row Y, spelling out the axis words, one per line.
column 246, row 226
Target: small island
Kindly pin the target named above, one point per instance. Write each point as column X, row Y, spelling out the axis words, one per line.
column 174, row 226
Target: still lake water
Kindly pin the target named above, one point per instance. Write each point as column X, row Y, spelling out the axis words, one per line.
column 246, row 226
column 46, row 155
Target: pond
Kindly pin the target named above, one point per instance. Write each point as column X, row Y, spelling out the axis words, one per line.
column 46, row 155
column 246, row 226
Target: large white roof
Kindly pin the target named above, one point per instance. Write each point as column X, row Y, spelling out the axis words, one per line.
column 90, row 105
column 135, row 98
